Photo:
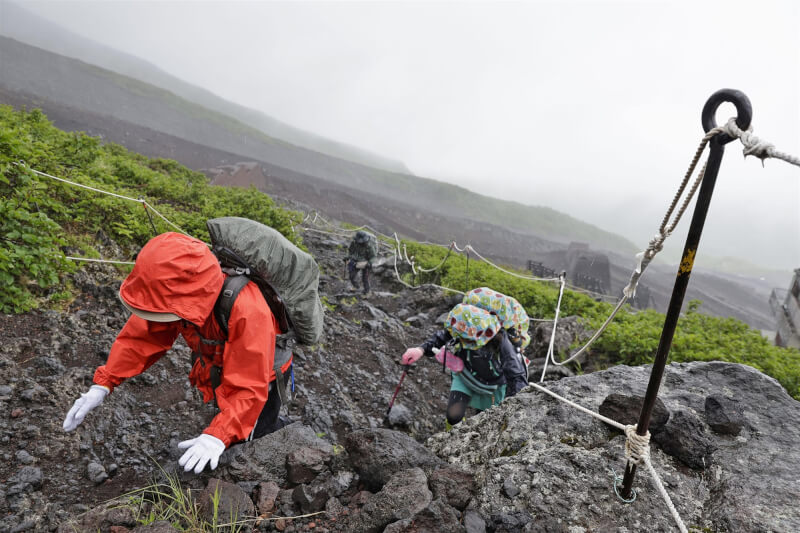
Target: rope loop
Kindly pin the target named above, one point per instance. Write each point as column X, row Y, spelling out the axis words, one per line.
column 637, row 447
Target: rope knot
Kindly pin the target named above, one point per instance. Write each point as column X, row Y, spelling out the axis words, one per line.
column 637, row 447
column 752, row 144
column 657, row 243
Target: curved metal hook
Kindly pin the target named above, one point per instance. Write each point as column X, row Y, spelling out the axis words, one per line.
column 744, row 111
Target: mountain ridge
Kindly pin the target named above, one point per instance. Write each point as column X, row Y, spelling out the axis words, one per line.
column 24, row 26
column 52, row 77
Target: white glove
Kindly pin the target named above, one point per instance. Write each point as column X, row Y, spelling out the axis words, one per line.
column 88, row 401
column 202, row 450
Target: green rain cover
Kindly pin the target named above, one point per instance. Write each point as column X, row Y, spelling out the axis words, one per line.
column 291, row 272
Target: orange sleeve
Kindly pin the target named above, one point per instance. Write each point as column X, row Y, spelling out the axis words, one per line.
column 136, row 348
column 246, row 367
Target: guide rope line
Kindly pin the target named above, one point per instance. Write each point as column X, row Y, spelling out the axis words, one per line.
column 666, row 228
column 142, row 201
column 92, row 260
column 531, row 278
column 637, row 449
column 452, row 246
column 443, row 261
column 550, row 350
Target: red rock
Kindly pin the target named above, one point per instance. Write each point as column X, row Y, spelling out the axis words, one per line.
column 15, row 413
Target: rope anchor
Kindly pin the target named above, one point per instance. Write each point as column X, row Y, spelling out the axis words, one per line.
column 716, row 138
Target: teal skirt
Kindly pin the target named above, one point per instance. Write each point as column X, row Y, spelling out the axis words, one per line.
column 478, row 400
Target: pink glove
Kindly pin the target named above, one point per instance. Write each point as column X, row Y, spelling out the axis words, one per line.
column 411, row 356
column 454, row 363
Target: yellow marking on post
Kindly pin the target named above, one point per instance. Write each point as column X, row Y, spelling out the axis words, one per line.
column 687, row 262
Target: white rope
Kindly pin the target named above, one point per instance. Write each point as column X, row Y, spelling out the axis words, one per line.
column 755, row 146
column 452, row 246
column 99, row 260
column 550, row 349
column 441, row 264
column 396, row 252
column 598, row 416
column 413, row 287
column 596, row 334
column 666, row 228
column 24, row 165
column 530, row 278
column 145, row 203
column 637, row 449
column 664, row 494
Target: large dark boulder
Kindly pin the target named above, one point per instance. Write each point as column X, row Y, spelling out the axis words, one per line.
column 265, row 459
column 404, row 495
column 376, row 454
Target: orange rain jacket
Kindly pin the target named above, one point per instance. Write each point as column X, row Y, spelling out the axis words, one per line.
column 177, row 274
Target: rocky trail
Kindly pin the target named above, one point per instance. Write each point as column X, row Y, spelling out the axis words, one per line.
column 724, row 437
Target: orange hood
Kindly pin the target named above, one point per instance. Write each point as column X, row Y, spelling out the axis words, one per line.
column 174, row 273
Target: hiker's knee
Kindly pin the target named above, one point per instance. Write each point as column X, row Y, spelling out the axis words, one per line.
column 454, row 418
column 456, row 407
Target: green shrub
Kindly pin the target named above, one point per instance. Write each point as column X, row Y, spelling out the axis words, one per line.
column 41, row 217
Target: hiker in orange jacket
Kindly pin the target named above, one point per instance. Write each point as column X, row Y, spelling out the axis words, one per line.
column 172, row 290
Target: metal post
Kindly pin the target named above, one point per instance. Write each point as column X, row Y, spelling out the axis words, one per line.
column 717, row 146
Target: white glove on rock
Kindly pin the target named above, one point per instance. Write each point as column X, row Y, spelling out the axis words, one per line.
column 88, row 401
column 203, row 449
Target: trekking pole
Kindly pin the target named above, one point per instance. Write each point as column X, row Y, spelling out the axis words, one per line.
column 717, row 148
column 396, row 390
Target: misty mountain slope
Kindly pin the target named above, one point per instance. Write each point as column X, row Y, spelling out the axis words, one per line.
column 737, row 297
column 54, row 78
column 740, row 298
column 22, row 25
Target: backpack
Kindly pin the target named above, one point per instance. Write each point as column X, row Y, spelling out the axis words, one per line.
column 509, row 312
column 287, row 276
column 471, row 326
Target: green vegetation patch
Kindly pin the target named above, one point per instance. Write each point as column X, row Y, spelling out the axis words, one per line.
column 43, row 220
column 632, row 337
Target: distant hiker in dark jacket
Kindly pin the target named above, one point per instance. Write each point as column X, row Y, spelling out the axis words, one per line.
column 484, row 364
column 360, row 255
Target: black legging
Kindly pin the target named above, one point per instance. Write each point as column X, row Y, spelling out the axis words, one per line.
column 457, row 406
column 269, row 421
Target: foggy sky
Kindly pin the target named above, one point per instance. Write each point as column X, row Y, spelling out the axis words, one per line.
column 591, row 108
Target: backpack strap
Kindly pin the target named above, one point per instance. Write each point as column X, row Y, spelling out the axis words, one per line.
column 283, row 352
column 231, row 288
